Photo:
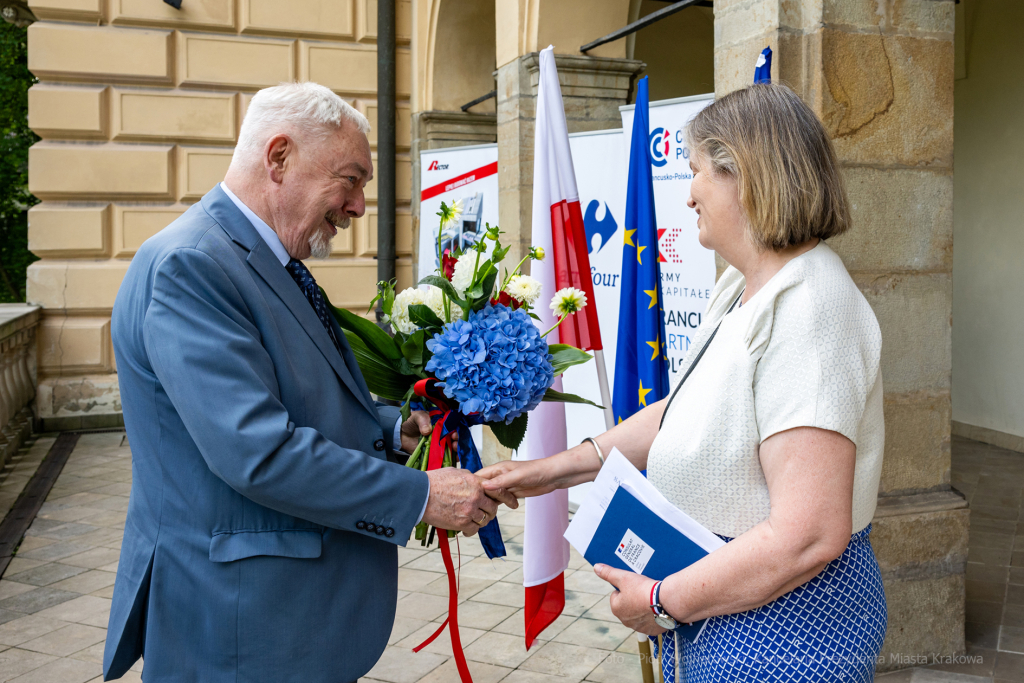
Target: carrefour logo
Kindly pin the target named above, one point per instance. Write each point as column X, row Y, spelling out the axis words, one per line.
column 660, row 143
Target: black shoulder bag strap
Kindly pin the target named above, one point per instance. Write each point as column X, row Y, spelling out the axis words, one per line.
column 697, row 359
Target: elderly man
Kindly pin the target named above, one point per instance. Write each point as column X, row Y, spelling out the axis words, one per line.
column 265, row 514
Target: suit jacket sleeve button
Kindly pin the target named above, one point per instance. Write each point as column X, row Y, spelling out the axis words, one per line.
column 380, row 530
column 360, row 525
column 389, row 532
column 378, row 445
column 371, row 527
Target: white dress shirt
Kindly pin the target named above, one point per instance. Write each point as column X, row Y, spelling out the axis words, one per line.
column 274, row 242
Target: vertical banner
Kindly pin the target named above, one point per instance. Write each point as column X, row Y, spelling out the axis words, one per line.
column 687, row 268
column 466, row 173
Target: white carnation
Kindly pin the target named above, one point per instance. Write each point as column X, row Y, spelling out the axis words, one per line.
column 465, row 268
column 523, row 289
column 435, row 299
column 400, row 309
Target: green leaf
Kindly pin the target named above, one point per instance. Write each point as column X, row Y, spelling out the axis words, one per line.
column 510, row 435
column 564, row 356
column 445, row 286
column 371, row 335
column 412, row 349
column 381, row 378
column 424, row 316
column 553, row 396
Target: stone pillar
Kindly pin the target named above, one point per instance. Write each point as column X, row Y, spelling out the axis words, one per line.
column 593, row 89
column 880, row 75
column 439, row 129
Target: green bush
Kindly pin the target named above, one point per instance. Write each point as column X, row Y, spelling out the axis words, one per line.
column 15, row 139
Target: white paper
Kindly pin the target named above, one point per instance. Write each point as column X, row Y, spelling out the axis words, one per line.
column 618, row 471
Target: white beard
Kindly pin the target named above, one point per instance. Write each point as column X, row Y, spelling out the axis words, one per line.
column 320, row 243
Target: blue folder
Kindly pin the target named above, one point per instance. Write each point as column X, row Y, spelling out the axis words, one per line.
column 673, row 550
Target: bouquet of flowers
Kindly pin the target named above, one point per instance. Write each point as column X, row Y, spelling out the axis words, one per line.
column 466, row 348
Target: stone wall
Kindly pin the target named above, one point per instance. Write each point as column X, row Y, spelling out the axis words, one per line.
column 138, row 107
column 880, row 75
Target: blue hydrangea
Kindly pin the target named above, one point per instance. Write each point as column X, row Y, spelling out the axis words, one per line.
column 495, row 364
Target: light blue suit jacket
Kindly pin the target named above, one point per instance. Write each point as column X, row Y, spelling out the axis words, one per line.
column 254, row 456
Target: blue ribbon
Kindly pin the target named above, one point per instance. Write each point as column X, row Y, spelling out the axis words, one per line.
column 490, row 535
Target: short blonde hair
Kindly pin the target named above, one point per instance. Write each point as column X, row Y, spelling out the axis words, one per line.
column 777, row 149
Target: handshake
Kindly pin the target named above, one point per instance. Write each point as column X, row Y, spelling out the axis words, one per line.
column 460, row 500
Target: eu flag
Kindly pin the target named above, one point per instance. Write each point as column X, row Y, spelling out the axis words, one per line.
column 641, row 367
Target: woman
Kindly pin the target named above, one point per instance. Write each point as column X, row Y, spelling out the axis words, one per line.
column 774, row 440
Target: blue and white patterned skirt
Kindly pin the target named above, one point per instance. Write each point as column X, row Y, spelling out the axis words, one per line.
column 829, row 629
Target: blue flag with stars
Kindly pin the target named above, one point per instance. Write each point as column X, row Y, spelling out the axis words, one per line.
column 641, row 367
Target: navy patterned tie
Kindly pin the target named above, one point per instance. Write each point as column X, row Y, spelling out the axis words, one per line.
column 304, row 279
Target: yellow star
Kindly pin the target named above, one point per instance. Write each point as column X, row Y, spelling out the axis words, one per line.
column 643, row 394
column 620, row 420
column 653, row 293
column 654, row 345
column 629, row 238
column 639, row 250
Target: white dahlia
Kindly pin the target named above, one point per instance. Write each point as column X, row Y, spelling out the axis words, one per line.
column 523, row 289
column 400, row 309
column 465, row 269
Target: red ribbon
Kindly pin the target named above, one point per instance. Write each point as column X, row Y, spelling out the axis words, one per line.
column 438, row 443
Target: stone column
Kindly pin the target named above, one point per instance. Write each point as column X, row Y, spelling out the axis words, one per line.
column 593, row 89
column 880, row 75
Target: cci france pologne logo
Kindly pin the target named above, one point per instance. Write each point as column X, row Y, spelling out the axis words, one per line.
column 662, row 142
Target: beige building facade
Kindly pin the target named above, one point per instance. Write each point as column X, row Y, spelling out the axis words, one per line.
column 139, row 105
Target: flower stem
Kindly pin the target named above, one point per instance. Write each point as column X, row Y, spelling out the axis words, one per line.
column 553, row 327
column 414, row 459
column 509, row 276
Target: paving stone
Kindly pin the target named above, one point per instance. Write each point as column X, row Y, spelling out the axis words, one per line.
column 502, row 593
column 11, row 588
column 617, row 667
column 586, row 581
column 57, row 551
column 441, row 645
column 15, row 662
column 45, row 574
column 498, row 648
column 562, row 659
column 407, row 555
column 481, row 673
column 414, row 579
column 522, row 676
column 422, row 606
column 87, row 582
column 403, row 626
column 516, row 625
column 61, row 671
column 93, row 558
column 70, row 514
column 577, row 603
column 66, row 641
column 399, row 665
column 602, row 635
column 83, row 609
column 467, row 587
column 482, row 615
column 37, row 600
column 26, row 628
column 20, row 564
column 33, row 542
column 7, row 615
column 93, row 653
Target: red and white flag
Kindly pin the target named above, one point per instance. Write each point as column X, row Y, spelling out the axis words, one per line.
column 558, row 229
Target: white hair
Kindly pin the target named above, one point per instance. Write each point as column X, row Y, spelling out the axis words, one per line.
column 307, row 109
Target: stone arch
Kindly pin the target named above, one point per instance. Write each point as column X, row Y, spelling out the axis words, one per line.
column 460, row 55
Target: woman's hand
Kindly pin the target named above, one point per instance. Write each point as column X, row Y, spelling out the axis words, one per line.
column 631, row 602
column 521, row 478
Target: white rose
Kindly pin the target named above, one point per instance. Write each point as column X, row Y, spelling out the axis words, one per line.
column 523, row 289
column 465, row 268
column 400, row 309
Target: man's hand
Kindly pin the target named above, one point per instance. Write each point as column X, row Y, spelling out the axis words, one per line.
column 631, row 602
column 418, row 425
column 458, row 501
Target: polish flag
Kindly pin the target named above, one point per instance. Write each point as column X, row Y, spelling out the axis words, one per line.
column 558, row 229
